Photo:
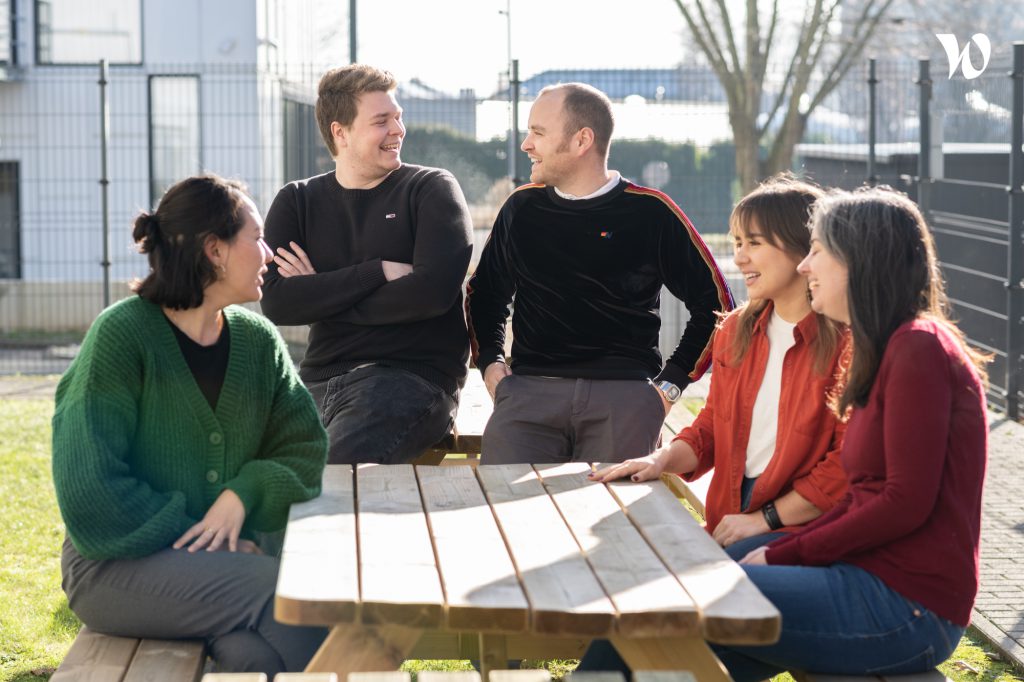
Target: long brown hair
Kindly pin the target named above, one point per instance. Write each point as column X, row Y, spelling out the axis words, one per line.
column 893, row 277
column 780, row 208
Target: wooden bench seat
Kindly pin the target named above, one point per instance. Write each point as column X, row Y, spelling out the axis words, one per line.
column 101, row 658
column 475, row 407
column 522, row 675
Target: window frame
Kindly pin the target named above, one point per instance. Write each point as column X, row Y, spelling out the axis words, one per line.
column 153, row 198
column 93, row 63
column 19, row 256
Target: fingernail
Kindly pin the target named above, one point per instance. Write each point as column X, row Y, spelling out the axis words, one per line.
column 634, row 478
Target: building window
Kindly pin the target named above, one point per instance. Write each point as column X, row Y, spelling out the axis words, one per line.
column 174, row 131
column 6, row 33
column 10, row 222
column 76, row 32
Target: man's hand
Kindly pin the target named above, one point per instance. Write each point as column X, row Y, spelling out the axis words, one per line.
column 735, row 527
column 393, row 270
column 222, row 522
column 664, row 401
column 494, row 374
column 293, row 264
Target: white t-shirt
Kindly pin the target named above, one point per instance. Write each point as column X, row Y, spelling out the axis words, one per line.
column 764, row 423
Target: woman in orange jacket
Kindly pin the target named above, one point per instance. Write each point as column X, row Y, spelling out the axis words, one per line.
column 766, row 428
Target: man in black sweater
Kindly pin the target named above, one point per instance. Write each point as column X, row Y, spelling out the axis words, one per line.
column 585, row 254
column 373, row 256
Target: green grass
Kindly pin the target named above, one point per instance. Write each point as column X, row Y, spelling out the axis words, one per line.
column 36, row 626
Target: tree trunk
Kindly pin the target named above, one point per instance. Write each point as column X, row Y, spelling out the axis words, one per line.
column 781, row 156
column 746, row 142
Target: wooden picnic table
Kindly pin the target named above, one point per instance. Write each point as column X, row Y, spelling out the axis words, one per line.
column 509, row 561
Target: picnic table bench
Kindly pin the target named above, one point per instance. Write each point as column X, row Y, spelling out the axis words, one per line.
column 475, row 407
column 510, row 561
column 102, row 658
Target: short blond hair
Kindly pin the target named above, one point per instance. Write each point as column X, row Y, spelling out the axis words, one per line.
column 337, row 97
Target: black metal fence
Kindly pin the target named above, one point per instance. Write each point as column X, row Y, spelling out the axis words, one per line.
column 955, row 146
column 67, row 166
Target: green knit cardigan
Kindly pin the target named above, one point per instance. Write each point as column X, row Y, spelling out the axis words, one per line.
column 138, row 454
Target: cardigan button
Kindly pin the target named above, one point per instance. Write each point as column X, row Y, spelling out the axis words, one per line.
column 216, row 438
column 212, row 476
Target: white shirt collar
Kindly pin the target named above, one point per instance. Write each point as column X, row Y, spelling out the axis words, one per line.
column 603, row 189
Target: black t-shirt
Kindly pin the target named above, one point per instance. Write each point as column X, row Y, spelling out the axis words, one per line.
column 208, row 364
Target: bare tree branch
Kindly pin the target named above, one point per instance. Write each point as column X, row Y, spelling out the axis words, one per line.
column 723, row 14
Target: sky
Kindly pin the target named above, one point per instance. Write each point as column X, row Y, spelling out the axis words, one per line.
column 455, row 44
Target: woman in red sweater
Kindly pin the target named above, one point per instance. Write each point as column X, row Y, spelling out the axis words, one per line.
column 774, row 451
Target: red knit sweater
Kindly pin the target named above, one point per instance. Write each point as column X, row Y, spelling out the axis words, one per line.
column 915, row 456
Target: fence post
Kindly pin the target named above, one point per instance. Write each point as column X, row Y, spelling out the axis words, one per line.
column 872, row 116
column 104, row 180
column 513, row 135
column 924, row 160
column 1015, row 241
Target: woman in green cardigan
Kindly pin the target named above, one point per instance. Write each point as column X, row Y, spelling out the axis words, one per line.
column 182, row 431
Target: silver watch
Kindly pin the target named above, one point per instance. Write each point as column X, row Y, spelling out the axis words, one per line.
column 671, row 392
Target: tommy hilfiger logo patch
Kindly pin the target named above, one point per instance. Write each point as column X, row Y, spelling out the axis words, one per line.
column 389, row 216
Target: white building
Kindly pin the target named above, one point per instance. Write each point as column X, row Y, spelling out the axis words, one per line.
column 192, row 85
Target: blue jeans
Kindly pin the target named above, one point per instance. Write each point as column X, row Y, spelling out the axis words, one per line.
column 382, row 415
column 836, row 619
column 740, row 549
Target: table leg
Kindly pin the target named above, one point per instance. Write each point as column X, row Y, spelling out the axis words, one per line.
column 359, row 648
column 493, row 654
column 672, row 653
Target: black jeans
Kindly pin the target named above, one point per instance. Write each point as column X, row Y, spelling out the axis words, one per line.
column 382, row 415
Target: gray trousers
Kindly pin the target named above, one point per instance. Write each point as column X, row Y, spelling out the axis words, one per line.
column 541, row 420
column 225, row 598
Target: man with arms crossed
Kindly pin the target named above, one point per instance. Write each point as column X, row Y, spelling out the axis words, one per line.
column 585, row 254
column 373, row 256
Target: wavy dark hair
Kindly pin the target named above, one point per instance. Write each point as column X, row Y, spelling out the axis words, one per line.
column 882, row 239
column 174, row 236
column 780, row 208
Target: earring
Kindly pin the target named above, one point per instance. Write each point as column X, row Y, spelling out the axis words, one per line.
column 223, row 271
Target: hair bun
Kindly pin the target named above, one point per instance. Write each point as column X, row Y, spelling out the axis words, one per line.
column 147, row 231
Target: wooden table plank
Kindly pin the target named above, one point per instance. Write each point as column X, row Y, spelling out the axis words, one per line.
column 318, row 582
column 564, row 594
column 650, row 601
column 733, row 610
column 479, row 579
column 398, row 570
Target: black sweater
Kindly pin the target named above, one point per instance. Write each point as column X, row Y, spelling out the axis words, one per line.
column 417, row 215
column 587, row 277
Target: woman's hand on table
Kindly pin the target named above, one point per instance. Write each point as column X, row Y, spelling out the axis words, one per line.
column 219, row 528
column 735, row 527
column 639, row 469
